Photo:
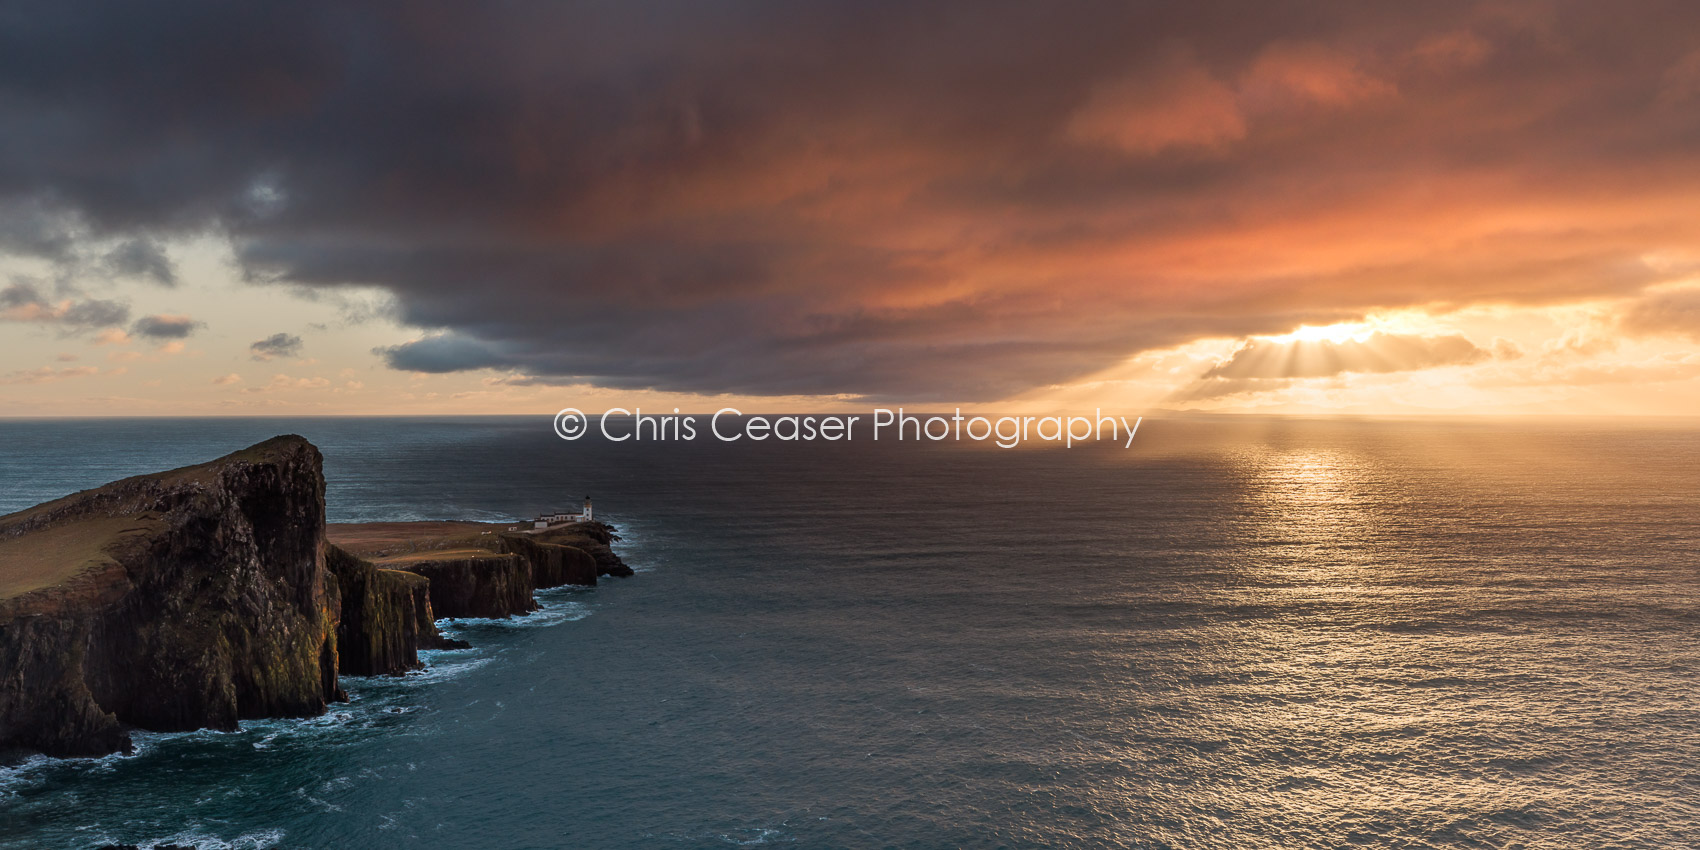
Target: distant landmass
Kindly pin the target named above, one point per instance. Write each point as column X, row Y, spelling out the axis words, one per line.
column 206, row 595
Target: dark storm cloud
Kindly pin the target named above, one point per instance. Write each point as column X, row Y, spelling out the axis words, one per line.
column 913, row 200
column 31, row 229
column 276, row 345
column 441, row 353
column 142, row 258
column 164, row 327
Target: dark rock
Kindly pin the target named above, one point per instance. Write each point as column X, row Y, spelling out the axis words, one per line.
column 473, row 583
column 595, row 539
column 552, row 564
column 202, row 596
column 192, row 598
column 386, row 617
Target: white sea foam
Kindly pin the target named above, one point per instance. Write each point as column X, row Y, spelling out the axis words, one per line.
column 555, row 608
column 25, row 774
column 33, row 770
column 438, row 672
column 256, row 840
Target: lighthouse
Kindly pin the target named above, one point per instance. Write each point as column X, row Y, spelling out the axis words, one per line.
column 558, row 517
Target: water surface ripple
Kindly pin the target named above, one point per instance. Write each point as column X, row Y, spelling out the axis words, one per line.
column 1239, row 634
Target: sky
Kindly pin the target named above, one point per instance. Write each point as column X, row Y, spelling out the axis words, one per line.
column 454, row 208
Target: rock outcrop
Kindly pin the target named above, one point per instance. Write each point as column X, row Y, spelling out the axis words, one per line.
column 594, row 538
column 187, row 599
column 206, row 595
column 552, row 564
column 473, row 583
column 464, row 554
column 386, row 617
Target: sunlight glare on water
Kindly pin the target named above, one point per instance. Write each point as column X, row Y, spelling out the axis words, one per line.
column 1253, row 633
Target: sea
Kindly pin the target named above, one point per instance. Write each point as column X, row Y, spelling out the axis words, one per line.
column 1235, row 633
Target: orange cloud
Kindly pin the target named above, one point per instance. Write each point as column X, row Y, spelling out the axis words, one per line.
column 47, row 374
column 1287, row 73
column 1672, row 312
column 898, row 203
column 1178, row 107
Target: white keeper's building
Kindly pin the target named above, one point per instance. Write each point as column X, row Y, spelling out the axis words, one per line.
column 562, row 517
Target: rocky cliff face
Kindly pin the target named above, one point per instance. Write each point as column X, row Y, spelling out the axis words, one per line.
column 188, row 599
column 552, row 564
column 206, row 595
column 463, row 554
column 474, row 584
column 595, row 539
column 386, row 617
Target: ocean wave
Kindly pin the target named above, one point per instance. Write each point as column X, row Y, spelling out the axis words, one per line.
column 556, row 607
column 374, row 701
column 26, row 774
column 255, row 840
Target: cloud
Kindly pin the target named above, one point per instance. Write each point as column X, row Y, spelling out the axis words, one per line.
column 1451, row 50
column 1379, row 352
column 22, row 302
column 164, row 326
column 1263, row 365
column 32, row 227
column 276, row 345
column 142, row 258
column 1180, row 106
column 1675, row 312
column 226, row 380
column 284, row 382
column 960, row 202
column 443, row 353
column 43, row 226
column 1310, row 73
column 47, row 374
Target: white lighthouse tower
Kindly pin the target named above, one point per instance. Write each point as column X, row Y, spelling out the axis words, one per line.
column 586, row 516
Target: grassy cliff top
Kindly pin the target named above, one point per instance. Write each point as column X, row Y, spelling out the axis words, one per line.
column 55, row 542
column 59, row 553
column 393, row 542
column 275, row 448
column 468, row 553
column 376, row 541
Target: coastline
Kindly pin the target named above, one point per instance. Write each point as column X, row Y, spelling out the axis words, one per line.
column 201, row 597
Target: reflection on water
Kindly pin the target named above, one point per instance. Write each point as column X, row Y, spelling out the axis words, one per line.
column 1242, row 634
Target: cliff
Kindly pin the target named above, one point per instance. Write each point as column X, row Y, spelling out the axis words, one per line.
column 471, row 582
column 187, row 599
column 552, row 564
column 386, row 617
column 461, row 553
column 206, row 595
column 595, row 539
